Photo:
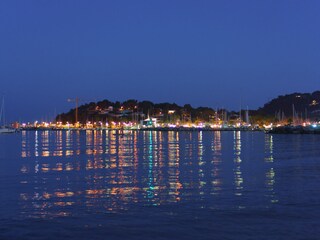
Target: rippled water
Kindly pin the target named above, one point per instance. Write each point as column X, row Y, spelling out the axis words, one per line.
column 159, row 185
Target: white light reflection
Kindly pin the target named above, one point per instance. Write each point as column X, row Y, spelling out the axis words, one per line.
column 202, row 181
column 173, row 164
column 238, row 179
column 270, row 174
column 216, row 162
column 36, row 144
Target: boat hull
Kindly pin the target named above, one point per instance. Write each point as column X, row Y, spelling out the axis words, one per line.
column 7, row 130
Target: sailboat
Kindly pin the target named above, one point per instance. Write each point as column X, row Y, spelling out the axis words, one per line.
column 4, row 128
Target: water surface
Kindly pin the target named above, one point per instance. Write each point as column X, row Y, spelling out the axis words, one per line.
column 159, row 185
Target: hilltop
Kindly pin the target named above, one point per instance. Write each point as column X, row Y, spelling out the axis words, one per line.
column 305, row 105
column 281, row 108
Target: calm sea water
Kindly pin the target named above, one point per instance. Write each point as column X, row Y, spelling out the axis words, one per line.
column 159, row 185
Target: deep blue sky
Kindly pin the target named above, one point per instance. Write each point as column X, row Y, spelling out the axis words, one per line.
column 206, row 53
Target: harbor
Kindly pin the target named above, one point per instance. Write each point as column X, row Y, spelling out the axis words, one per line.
column 164, row 120
column 92, row 184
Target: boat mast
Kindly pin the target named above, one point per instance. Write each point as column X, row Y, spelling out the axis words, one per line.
column 2, row 116
column 1, row 111
column 77, row 103
column 293, row 115
column 247, row 116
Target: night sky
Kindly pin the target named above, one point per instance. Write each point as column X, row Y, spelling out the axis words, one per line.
column 206, row 53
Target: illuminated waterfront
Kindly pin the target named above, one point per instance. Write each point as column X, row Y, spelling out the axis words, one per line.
column 153, row 184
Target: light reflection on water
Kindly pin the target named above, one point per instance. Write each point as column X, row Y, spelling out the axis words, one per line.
column 238, row 179
column 270, row 173
column 64, row 172
column 167, row 185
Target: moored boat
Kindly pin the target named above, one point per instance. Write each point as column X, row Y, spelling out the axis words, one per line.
column 4, row 128
column 7, row 130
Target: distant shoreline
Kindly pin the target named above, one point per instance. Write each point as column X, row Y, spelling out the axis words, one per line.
column 276, row 130
column 163, row 129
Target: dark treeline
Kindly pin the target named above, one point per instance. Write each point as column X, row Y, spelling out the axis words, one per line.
column 305, row 104
column 133, row 110
column 302, row 105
